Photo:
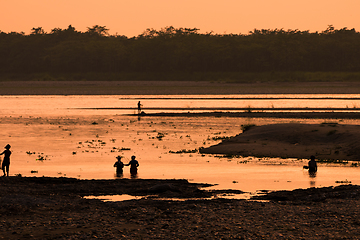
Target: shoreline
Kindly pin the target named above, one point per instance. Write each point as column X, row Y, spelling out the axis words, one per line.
column 172, row 88
column 296, row 115
column 53, row 208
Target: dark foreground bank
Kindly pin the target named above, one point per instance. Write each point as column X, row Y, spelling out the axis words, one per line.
column 54, row 208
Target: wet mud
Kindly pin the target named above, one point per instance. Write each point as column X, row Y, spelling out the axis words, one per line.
column 54, row 208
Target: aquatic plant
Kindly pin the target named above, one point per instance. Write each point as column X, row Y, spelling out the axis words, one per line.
column 243, row 162
column 220, row 138
column 184, row 151
column 160, row 136
column 40, row 158
column 346, row 181
column 228, row 156
column 337, row 161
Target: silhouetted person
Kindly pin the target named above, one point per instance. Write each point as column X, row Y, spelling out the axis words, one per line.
column 119, row 166
column 6, row 162
column 133, row 166
column 312, row 165
column 139, row 107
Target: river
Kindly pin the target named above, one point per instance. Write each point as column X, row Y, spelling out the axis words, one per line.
column 80, row 136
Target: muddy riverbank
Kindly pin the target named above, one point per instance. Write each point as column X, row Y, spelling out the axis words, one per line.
column 53, row 208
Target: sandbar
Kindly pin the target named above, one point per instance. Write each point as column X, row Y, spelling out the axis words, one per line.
column 330, row 141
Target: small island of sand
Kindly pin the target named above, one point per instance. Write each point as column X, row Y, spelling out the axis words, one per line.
column 330, row 141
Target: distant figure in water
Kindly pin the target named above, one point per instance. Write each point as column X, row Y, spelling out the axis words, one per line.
column 6, row 162
column 119, row 166
column 133, row 166
column 139, row 107
column 312, row 166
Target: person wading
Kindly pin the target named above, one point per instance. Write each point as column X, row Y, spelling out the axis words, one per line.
column 133, row 165
column 312, row 165
column 119, row 166
column 6, row 162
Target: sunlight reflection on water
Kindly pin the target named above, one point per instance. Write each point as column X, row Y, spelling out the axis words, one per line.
column 82, row 143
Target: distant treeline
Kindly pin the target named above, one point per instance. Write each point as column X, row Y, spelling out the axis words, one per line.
column 179, row 50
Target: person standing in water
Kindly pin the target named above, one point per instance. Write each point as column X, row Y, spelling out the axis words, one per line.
column 133, row 165
column 119, row 166
column 6, row 162
column 139, row 107
column 312, row 165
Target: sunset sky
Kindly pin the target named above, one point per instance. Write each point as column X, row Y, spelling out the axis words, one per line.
column 132, row 17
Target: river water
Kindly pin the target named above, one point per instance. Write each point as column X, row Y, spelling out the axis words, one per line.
column 80, row 136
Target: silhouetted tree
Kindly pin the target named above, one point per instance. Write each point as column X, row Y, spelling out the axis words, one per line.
column 179, row 50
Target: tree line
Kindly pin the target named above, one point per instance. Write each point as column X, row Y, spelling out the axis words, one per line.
column 179, row 50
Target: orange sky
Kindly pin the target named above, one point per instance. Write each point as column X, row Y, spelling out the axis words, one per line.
column 132, row 17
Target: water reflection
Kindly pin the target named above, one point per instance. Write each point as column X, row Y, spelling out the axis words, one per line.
column 118, row 175
column 126, row 197
column 114, row 198
column 117, row 104
column 62, row 128
column 312, row 176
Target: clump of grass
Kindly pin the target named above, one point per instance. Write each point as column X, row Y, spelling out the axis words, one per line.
column 243, row 162
column 184, row 151
column 41, row 158
column 336, row 161
column 220, row 138
column 160, row 136
column 346, row 181
column 228, row 156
